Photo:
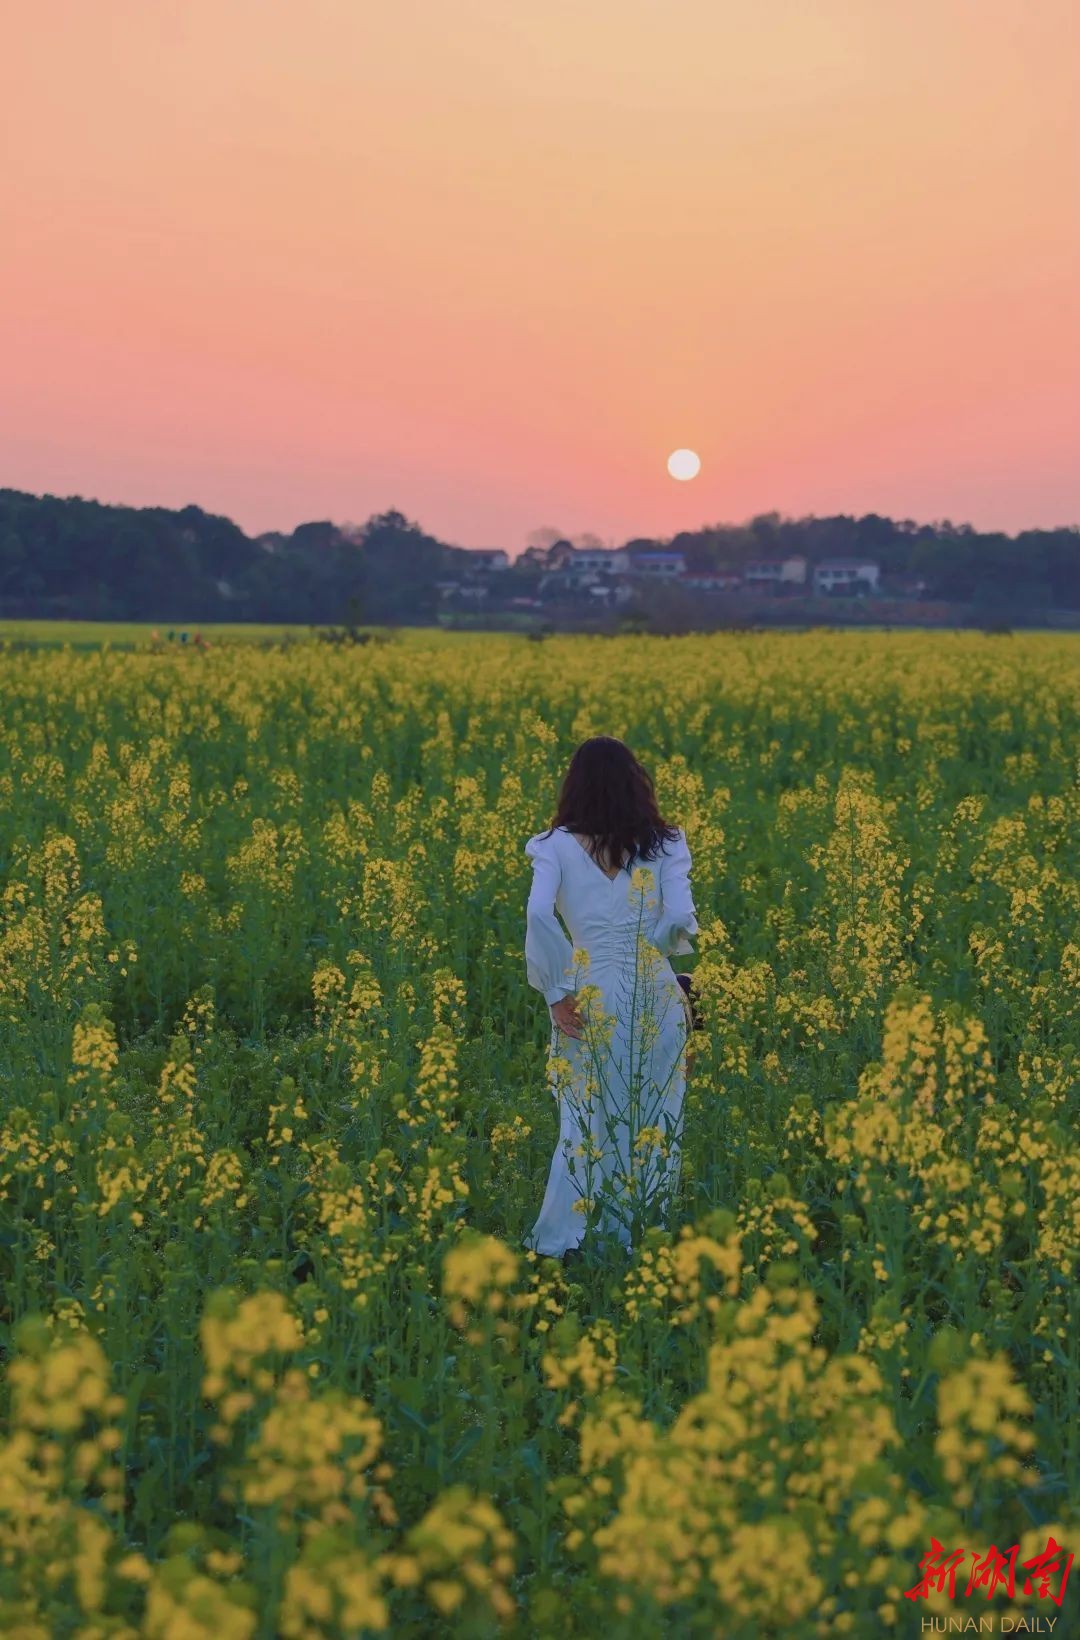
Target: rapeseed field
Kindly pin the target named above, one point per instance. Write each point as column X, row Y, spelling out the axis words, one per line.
column 274, row 1119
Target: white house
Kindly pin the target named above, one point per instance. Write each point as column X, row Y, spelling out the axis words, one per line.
column 662, row 563
column 585, row 564
column 485, row 558
column 576, row 569
column 599, row 560
column 776, row 571
column 846, row 575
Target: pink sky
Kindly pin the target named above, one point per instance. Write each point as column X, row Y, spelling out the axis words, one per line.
column 489, row 262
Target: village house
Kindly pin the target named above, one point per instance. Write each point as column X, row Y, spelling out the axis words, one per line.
column 846, row 575
column 583, row 562
column 574, row 569
column 775, row 572
column 660, row 563
column 600, row 560
column 488, row 558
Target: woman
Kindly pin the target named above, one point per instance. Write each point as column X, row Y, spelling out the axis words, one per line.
column 619, row 876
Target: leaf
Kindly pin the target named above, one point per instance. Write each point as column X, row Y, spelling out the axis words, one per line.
column 466, row 1444
column 414, row 1418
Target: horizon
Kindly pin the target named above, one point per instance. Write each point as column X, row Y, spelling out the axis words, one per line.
column 500, row 265
column 606, row 545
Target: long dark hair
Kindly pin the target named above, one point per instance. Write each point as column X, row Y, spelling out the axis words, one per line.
column 609, row 798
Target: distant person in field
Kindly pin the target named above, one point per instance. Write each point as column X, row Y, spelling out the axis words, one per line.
column 620, row 1016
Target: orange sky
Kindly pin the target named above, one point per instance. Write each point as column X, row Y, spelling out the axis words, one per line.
column 488, row 261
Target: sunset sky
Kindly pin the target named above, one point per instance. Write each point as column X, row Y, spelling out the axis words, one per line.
column 490, row 261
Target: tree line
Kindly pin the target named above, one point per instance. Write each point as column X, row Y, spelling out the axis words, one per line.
column 1035, row 569
column 69, row 558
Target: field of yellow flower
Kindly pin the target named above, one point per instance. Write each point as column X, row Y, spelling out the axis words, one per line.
column 274, row 1118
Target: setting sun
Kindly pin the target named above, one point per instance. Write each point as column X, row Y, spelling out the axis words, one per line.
column 684, row 464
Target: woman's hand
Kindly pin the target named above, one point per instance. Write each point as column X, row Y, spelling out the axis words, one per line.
column 566, row 1016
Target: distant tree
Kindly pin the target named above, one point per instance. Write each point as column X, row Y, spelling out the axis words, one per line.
column 765, row 529
column 315, row 537
column 15, row 571
column 401, row 566
column 699, row 548
column 543, row 538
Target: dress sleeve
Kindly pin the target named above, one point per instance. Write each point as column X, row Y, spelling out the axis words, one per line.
column 677, row 915
column 549, row 956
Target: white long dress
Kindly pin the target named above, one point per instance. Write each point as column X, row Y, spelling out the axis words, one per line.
column 620, row 1086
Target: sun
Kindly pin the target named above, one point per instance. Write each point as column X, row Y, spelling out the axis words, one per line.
column 684, row 464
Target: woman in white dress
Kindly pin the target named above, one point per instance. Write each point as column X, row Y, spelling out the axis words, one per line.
column 618, row 874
